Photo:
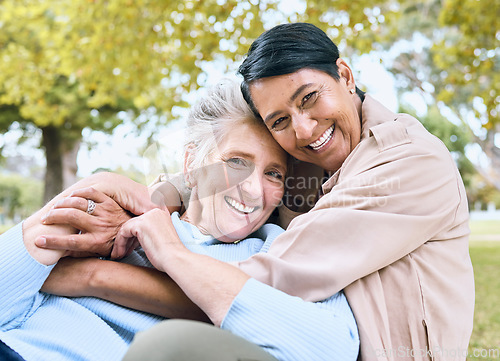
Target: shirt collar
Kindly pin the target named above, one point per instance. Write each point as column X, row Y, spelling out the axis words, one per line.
column 372, row 113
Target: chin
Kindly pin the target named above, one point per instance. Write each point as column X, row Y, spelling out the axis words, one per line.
column 240, row 233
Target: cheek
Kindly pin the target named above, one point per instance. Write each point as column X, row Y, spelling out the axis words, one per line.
column 274, row 194
column 333, row 107
column 212, row 181
column 286, row 139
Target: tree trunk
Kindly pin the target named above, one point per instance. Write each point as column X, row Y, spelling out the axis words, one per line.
column 69, row 165
column 493, row 152
column 51, row 141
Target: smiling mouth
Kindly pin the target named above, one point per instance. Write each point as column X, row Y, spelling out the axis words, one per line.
column 325, row 137
column 238, row 206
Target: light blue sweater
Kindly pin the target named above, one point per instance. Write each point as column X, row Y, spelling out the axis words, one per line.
column 46, row 327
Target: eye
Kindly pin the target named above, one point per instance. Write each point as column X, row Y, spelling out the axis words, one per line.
column 236, row 162
column 308, row 99
column 275, row 174
column 280, row 123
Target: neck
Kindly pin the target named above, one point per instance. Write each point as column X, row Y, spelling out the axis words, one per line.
column 358, row 103
column 194, row 214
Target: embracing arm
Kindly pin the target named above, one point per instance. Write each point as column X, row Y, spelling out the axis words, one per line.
column 24, row 266
column 167, row 192
column 135, row 287
column 209, row 283
column 286, row 326
column 141, row 288
column 383, row 206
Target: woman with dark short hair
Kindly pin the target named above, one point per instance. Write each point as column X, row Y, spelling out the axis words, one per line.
column 392, row 226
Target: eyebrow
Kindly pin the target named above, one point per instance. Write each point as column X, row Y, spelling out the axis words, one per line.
column 235, row 152
column 294, row 96
column 281, row 167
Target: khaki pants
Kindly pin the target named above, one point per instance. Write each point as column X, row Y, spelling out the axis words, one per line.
column 183, row 340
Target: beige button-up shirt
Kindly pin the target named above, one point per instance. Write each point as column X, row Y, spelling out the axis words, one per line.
column 392, row 232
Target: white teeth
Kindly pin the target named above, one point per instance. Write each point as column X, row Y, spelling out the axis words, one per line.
column 325, row 137
column 239, row 206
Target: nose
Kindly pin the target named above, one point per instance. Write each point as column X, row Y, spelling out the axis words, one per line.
column 252, row 186
column 303, row 126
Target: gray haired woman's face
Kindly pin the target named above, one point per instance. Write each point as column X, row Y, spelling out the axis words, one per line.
column 241, row 185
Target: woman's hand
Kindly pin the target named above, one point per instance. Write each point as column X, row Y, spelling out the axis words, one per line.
column 130, row 195
column 97, row 230
column 156, row 234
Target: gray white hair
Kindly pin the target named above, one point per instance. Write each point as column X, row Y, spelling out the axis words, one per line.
column 213, row 117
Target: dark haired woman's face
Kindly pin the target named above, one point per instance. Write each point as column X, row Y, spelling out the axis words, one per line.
column 310, row 114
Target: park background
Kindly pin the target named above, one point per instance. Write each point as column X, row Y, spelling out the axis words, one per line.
column 89, row 85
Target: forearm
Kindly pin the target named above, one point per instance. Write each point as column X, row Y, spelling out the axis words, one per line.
column 209, row 283
column 141, row 288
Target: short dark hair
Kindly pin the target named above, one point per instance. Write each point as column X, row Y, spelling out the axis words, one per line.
column 285, row 49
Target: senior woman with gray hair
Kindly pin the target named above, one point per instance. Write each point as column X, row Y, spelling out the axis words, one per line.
column 235, row 172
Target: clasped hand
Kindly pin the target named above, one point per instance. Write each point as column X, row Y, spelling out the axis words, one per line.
column 96, row 231
column 117, row 200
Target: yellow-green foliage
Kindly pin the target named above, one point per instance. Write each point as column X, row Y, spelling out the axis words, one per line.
column 112, row 50
column 121, row 49
column 60, row 59
column 470, row 55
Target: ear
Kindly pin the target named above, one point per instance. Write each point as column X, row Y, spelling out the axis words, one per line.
column 346, row 75
column 188, row 167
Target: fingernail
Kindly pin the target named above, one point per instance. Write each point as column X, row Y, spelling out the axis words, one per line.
column 44, row 218
column 41, row 242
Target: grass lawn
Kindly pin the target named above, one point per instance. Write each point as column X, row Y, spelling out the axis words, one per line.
column 485, row 230
column 485, row 255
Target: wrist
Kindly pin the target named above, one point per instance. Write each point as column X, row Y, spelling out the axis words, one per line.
column 96, row 277
column 177, row 259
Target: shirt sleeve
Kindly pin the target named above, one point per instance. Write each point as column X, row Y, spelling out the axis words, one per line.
column 292, row 329
column 21, row 279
